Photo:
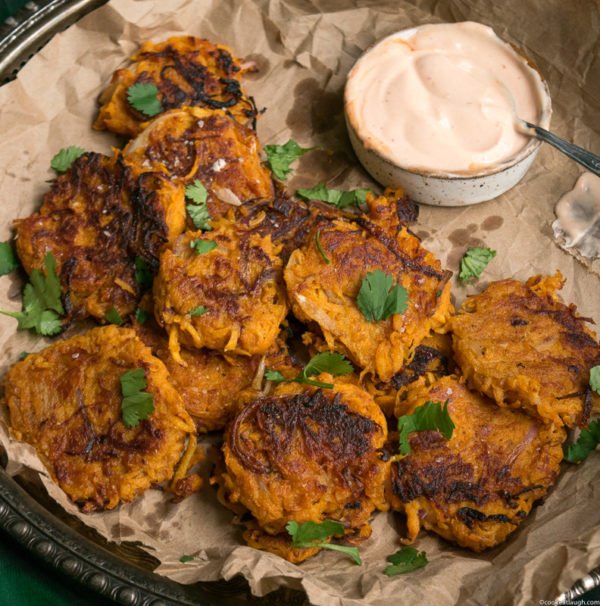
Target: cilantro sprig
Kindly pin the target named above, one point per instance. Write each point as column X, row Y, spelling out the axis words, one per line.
column 280, row 157
column 202, row 246
column 405, row 560
column 312, row 534
column 432, row 416
column 334, row 363
column 42, row 305
column 8, row 259
column 144, row 98
column 137, row 403
column 62, row 161
column 198, row 211
column 379, row 298
column 586, row 443
column 474, row 261
column 341, row 199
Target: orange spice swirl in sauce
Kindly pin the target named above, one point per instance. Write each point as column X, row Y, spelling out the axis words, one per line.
column 437, row 98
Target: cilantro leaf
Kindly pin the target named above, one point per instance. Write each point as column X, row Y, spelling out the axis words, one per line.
column 474, row 262
column 588, row 440
column 318, row 241
column 341, row 199
column 432, row 416
column 198, row 311
column 405, row 560
column 198, row 212
column 113, row 316
column 378, row 298
column 202, row 246
column 311, row 534
column 140, row 315
column 280, row 157
column 274, row 375
column 137, row 403
column 143, row 275
column 196, row 192
column 595, row 379
column 42, row 304
column 8, row 259
column 144, row 98
column 186, row 558
column 65, row 157
column 23, row 355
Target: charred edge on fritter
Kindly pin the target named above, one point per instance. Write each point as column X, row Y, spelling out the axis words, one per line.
column 449, row 479
column 469, row 516
column 407, row 211
column 391, row 244
column 343, row 436
column 419, row 365
column 196, row 74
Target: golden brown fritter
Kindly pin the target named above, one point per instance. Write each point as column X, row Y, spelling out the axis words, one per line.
column 476, row 488
column 96, row 219
column 66, row 402
column 199, row 144
column 187, row 71
column 210, row 382
column 306, row 454
column 518, row 344
column 325, row 293
column 230, row 298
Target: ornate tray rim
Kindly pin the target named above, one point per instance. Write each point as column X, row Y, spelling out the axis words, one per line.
column 21, row 516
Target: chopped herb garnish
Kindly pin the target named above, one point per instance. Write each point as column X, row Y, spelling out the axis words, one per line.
column 586, row 442
column 312, row 534
column 202, row 246
column 379, row 298
column 198, row 311
column 65, row 157
column 474, row 262
column 143, row 275
column 8, row 259
column 274, row 375
column 23, row 355
column 198, row 211
column 186, row 558
column 318, row 241
column 432, row 416
column 595, row 378
column 113, row 316
column 405, row 560
column 141, row 316
column 144, row 98
column 137, row 403
column 42, row 304
column 341, row 199
column 280, row 157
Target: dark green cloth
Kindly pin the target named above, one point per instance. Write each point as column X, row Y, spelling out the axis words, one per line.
column 9, row 7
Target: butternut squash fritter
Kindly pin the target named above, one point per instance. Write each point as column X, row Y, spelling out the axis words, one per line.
column 187, row 71
column 66, row 402
column 210, row 382
column 476, row 488
column 209, row 146
column 230, row 298
column 324, row 293
column 96, row 219
column 518, row 344
column 306, row 454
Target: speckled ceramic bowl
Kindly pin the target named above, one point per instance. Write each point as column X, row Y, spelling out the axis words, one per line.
column 440, row 188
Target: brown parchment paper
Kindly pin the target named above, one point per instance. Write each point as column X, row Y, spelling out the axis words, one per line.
column 304, row 48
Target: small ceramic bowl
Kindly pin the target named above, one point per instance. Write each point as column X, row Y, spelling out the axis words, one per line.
column 442, row 188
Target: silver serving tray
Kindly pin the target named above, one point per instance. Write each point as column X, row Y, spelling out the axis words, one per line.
column 121, row 575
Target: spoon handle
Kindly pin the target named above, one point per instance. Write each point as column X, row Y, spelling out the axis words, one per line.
column 585, row 158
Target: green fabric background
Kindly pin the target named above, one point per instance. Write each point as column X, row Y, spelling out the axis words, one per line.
column 24, row 579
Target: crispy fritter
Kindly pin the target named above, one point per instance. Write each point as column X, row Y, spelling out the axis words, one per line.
column 323, row 291
column 230, row 298
column 66, row 402
column 210, row 382
column 199, row 144
column 476, row 488
column 95, row 220
column 307, row 454
column 518, row 344
column 187, row 71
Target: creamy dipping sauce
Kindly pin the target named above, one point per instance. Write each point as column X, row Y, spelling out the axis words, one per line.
column 578, row 216
column 436, row 98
